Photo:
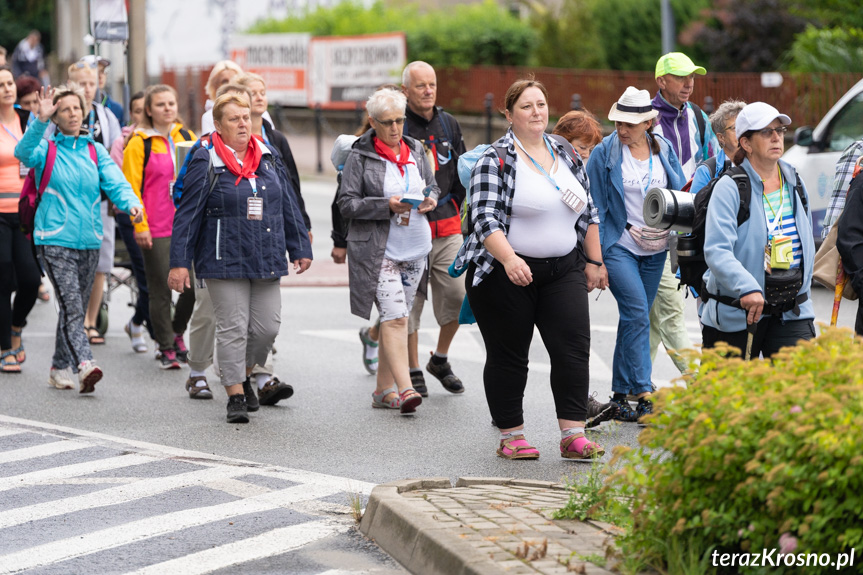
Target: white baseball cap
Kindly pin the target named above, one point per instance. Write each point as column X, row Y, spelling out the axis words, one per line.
column 757, row 116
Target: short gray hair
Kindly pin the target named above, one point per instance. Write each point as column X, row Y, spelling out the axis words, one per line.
column 727, row 110
column 384, row 101
column 406, row 73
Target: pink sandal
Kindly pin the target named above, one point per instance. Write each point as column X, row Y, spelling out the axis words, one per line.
column 517, row 447
column 378, row 399
column 579, row 447
column 410, row 399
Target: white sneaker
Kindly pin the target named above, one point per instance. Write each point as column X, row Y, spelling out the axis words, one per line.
column 60, row 378
column 88, row 375
column 136, row 335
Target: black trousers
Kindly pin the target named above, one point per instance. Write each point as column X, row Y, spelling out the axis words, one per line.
column 556, row 303
column 19, row 273
column 770, row 336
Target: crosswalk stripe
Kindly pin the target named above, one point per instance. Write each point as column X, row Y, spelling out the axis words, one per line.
column 59, row 474
column 271, row 543
column 8, row 432
column 150, row 527
column 53, row 448
column 115, row 495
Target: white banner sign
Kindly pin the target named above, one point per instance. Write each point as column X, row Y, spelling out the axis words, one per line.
column 282, row 60
column 346, row 70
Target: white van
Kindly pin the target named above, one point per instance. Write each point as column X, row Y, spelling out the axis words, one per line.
column 815, row 152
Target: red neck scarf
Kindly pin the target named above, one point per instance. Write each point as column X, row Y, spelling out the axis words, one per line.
column 250, row 163
column 386, row 153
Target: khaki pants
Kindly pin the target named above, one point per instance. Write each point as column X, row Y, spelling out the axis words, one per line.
column 667, row 320
column 447, row 292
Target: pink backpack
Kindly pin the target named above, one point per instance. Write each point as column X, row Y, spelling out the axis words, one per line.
column 28, row 203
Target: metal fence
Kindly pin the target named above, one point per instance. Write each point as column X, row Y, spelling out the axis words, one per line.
column 804, row 97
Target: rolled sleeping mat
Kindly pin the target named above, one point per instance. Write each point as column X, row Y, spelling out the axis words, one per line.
column 669, row 210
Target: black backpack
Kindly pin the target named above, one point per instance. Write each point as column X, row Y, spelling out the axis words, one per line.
column 690, row 247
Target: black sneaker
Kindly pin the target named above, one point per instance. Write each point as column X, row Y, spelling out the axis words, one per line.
column 237, row 411
column 274, row 391
column 252, row 402
column 625, row 411
column 448, row 379
column 644, row 407
column 419, row 383
column 599, row 412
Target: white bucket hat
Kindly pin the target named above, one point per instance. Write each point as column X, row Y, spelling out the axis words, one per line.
column 633, row 107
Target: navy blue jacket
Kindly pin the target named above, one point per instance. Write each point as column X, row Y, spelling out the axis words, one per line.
column 211, row 228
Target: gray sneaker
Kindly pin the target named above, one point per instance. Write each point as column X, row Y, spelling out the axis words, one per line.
column 599, row 412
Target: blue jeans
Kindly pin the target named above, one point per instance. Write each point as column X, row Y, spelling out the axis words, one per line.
column 633, row 281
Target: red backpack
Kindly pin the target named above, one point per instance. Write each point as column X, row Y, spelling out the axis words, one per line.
column 28, row 203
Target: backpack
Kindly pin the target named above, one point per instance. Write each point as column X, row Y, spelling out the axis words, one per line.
column 710, row 164
column 699, row 121
column 468, row 160
column 690, row 247
column 31, row 194
column 148, row 148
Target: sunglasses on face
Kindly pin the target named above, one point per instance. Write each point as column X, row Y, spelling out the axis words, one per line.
column 388, row 123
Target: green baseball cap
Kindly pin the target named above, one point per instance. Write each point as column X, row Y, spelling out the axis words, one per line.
column 677, row 63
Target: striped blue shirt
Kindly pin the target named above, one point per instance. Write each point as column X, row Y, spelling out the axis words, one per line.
column 787, row 226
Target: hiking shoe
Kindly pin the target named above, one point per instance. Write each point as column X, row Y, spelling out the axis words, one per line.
column 625, row 411
column 644, row 407
column 198, row 391
column 370, row 352
column 274, row 391
column 180, row 348
column 237, row 411
column 136, row 335
column 168, row 359
column 88, row 375
column 60, row 378
column 631, row 397
column 599, row 412
column 252, row 402
column 443, row 372
column 418, row 381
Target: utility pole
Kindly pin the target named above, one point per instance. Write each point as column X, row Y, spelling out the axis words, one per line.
column 137, row 60
column 667, row 27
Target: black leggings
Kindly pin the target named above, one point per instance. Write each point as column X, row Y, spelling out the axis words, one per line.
column 19, row 273
column 556, row 303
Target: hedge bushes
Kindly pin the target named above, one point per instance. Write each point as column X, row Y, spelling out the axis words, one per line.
column 752, row 456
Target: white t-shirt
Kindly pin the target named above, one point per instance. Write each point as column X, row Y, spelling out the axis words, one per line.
column 542, row 225
column 413, row 241
column 635, row 186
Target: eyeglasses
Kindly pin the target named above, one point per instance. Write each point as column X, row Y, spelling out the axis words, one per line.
column 768, row 132
column 79, row 64
column 731, row 127
column 388, row 123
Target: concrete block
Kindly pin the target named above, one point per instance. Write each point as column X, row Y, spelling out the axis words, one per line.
column 472, row 481
column 378, row 494
column 436, row 483
column 406, row 484
column 534, row 483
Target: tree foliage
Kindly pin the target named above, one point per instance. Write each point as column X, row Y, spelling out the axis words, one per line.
column 475, row 34
column 748, row 35
column 827, row 50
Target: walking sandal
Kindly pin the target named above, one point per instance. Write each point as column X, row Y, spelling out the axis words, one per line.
column 394, row 403
column 579, row 447
column 517, row 447
column 410, row 399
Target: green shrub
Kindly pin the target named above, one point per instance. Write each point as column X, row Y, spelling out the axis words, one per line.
column 750, row 453
column 464, row 35
column 832, row 50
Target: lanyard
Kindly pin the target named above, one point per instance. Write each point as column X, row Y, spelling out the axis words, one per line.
column 777, row 215
column 92, row 121
column 538, row 167
column 264, row 135
column 14, row 137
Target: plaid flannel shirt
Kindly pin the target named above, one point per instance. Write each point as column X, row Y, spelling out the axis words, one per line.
column 491, row 203
column 841, row 182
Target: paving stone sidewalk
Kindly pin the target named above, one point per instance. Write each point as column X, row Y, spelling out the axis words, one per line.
column 481, row 526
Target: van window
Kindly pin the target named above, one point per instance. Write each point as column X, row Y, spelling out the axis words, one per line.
column 847, row 126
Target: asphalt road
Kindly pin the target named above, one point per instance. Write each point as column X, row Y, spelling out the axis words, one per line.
column 328, row 426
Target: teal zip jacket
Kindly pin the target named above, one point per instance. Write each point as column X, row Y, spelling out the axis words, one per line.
column 68, row 213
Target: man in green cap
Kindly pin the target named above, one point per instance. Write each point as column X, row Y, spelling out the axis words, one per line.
column 685, row 125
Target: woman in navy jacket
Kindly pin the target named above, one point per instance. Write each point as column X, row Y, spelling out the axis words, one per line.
column 237, row 219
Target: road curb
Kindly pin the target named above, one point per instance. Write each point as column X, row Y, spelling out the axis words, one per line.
column 411, row 529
